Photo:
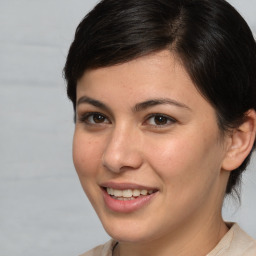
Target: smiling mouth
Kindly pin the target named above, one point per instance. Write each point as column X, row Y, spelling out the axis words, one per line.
column 128, row 194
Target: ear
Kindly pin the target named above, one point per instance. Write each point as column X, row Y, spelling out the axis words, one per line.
column 241, row 142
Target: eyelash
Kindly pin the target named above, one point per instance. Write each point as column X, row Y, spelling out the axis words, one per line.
column 169, row 120
column 85, row 118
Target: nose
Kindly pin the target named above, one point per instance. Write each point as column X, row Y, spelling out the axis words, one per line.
column 122, row 151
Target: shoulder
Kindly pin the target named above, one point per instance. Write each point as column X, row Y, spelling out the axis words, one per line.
column 101, row 250
column 244, row 242
column 235, row 243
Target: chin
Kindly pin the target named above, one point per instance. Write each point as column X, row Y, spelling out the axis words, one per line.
column 129, row 231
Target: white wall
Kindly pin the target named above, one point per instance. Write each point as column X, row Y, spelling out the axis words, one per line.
column 43, row 210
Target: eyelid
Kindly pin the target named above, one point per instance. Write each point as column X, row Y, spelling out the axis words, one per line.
column 83, row 118
column 169, row 118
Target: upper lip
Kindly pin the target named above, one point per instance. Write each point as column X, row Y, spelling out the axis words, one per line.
column 123, row 186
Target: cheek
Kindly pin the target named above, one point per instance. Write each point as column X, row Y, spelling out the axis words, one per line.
column 86, row 154
column 168, row 156
column 185, row 161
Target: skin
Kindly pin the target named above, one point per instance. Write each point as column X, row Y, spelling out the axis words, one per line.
column 183, row 157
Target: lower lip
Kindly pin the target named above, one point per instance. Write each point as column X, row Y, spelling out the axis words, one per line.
column 127, row 205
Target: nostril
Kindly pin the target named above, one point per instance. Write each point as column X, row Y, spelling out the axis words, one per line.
column 122, row 161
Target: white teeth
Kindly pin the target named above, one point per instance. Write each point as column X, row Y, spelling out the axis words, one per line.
column 110, row 191
column 128, row 193
column 118, row 193
column 144, row 192
column 135, row 192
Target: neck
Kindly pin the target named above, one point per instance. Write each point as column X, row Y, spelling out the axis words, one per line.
column 191, row 240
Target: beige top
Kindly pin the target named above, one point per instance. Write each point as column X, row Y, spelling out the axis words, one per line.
column 235, row 243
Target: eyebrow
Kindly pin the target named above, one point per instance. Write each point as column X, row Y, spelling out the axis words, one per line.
column 162, row 101
column 96, row 103
column 138, row 107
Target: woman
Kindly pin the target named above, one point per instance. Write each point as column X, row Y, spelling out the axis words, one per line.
column 164, row 93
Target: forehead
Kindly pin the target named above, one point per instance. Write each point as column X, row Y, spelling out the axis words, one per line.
column 161, row 68
column 158, row 75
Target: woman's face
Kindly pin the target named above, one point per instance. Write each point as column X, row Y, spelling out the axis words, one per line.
column 147, row 149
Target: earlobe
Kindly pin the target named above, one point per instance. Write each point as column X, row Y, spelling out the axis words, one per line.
column 242, row 140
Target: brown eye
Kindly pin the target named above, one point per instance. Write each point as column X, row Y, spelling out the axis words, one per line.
column 160, row 120
column 97, row 118
column 94, row 118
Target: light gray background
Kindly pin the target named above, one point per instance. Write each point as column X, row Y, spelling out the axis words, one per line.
column 43, row 210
